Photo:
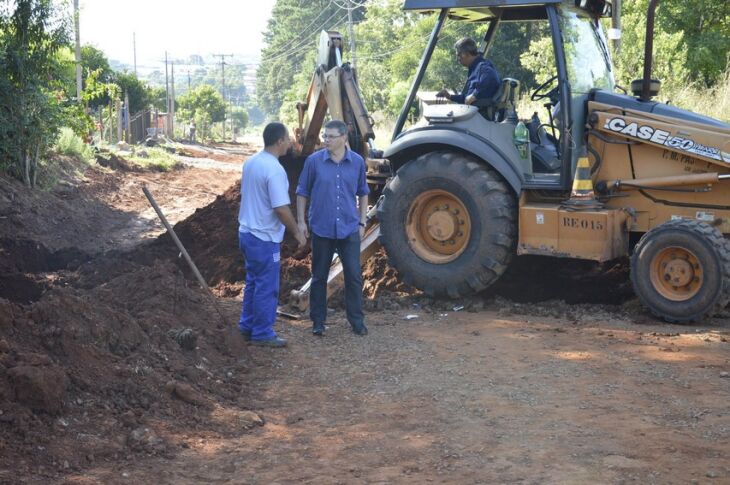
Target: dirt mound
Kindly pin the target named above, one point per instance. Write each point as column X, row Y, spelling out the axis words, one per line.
column 101, row 352
column 112, row 161
column 210, row 235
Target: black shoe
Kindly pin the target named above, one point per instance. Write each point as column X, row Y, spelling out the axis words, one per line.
column 272, row 342
column 361, row 330
column 246, row 334
column 318, row 330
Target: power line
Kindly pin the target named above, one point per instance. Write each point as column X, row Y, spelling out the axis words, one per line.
column 301, row 44
column 352, row 5
column 460, row 30
column 294, row 38
column 223, row 82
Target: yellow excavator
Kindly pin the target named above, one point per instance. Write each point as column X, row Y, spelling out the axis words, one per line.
column 610, row 174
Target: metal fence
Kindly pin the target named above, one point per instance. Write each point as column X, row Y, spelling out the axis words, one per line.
column 138, row 126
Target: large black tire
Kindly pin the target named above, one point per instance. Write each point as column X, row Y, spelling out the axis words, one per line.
column 487, row 245
column 681, row 270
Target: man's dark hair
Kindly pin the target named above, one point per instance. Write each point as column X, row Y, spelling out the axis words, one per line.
column 273, row 133
column 466, row 46
column 338, row 125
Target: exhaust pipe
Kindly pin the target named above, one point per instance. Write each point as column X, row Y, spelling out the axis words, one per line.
column 646, row 91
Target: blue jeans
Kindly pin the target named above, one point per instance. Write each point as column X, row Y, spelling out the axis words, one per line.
column 261, row 295
column 349, row 251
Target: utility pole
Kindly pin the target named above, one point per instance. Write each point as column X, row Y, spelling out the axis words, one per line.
column 167, row 86
column 171, row 117
column 352, row 35
column 614, row 33
column 134, row 49
column 167, row 92
column 223, row 84
column 79, row 84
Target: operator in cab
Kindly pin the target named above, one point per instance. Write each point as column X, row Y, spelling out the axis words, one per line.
column 483, row 81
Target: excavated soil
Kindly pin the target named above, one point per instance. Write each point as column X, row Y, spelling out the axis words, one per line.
column 115, row 367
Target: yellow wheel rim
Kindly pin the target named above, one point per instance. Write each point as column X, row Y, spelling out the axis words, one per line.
column 438, row 226
column 676, row 273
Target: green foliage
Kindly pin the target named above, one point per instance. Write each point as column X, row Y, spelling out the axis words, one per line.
column 240, row 118
column 156, row 97
column 93, row 59
column 204, row 99
column 136, row 90
column 692, row 45
column 691, row 42
column 670, row 56
column 205, row 106
column 539, row 59
column 293, row 31
column 153, row 158
column 71, row 144
column 96, row 89
column 705, row 29
column 31, row 91
column 713, row 101
column 76, row 117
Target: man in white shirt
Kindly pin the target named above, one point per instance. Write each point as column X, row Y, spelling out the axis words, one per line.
column 262, row 219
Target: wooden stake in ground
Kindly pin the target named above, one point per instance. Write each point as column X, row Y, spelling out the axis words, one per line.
column 184, row 252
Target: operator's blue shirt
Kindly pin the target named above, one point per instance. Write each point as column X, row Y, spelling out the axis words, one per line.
column 332, row 189
column 483, row 81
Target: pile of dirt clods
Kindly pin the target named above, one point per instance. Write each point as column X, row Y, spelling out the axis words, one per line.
column 106, row 357
column 102, row 357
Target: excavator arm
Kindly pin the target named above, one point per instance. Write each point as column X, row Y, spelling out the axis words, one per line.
column 333, row 89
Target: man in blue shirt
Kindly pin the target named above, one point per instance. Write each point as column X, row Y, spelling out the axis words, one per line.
column 483, row 81
column 333, row 181
column 262, row 218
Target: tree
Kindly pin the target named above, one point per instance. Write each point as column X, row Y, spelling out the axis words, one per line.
column 204, row 105
column 31, row 91
column 292, row 32
column 137, row 91
column 93, row 59
column 240, row 118
column 157, row 97
column 691, row 42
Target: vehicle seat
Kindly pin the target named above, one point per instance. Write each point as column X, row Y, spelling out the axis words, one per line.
column 495, row 108
column 545, row 156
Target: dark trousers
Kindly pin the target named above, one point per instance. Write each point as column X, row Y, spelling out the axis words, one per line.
column 349, row 251
column 261, row 295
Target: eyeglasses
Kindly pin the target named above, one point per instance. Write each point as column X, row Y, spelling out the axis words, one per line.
column 326, row 136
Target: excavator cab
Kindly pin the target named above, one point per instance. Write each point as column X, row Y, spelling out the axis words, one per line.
column 581, row 63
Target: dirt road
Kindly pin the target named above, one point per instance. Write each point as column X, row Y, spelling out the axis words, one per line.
column 503, row 391
column 467, row 398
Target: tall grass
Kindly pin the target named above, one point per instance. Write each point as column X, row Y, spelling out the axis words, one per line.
column 71, row 144
column 713, row 102
column 153, row 158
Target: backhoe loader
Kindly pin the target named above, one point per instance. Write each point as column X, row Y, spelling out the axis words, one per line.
column 608, row 175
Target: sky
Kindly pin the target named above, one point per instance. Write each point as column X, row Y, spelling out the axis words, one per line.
column 181, row 27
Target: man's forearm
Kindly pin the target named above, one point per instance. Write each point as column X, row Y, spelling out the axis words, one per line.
column 287, row 218
column 363, row 203
column 301, row 208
